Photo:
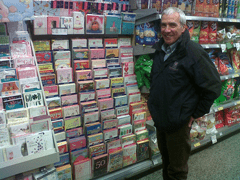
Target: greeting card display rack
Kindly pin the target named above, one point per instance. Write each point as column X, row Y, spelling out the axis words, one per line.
column 37, row 160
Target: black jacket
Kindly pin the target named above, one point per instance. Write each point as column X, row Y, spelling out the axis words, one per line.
column 184, row 85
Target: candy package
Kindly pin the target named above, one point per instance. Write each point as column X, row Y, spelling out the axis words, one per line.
column 235, row 60
column 224, row 64
column 204, row 33
column 196, row 31
column 212, row 32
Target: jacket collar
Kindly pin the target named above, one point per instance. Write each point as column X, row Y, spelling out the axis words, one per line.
column 181, row 47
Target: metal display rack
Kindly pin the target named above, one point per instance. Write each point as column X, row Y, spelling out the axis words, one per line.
column 33, row 161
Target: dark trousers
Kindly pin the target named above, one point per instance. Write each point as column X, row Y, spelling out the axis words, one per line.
column 175, row 149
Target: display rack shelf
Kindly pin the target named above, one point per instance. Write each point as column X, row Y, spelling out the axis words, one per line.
column 30, row 162
column 141, row 50
column 130, row 171
column 225, row 105
column 222, row 133
column 230, row 76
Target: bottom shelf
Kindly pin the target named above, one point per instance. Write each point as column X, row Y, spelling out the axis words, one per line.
column 146, row 165
column 130, row 171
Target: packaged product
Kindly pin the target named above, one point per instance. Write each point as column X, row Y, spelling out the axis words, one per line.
column 232, row 115
column 221, row 35
column 235, row 60
column 137, row 36
column 190, row 26
column 211, row 129
column 150, row 35
column 141, row 34
column 206, row 6
column 224, row 64
column 198, row 131
column 188, row 7
column 204, row 33
column 193, row 135
column 212, row 32
column 166, row 4
column 237, row 89
column 214, row 57
column 214, row 8
column 227, row 91
column 196, row 31
column 157, row 4
column 199, row 8
column 219, row 120
column 174, row 3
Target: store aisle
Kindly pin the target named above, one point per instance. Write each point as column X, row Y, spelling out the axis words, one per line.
column 218, row 162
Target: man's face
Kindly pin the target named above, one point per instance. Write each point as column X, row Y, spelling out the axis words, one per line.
column 171, row 29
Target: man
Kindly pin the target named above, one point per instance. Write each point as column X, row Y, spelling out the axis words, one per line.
column 184, row 85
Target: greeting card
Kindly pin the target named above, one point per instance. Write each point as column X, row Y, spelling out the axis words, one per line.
column 97, row 53
column 83, row 75
column 112, row 53
column 95, row 43
column 72, row 122
column 66, row 89
column 40, row 25
column 64, row 75
column 42, row 45
column 60, row 44
column 67, row 23
column 52, row 22
column 87, row 96
column 129, row 154
column 56, row 113
column 97, row 150
column 94, row 24
column 95, row 139
column 69, row 100
column 74, row 132
column 48, row 79
column 35, row 143
column 53, row 102
column 99, row 165
column 33, row 98
column 113, row 24
column 37, row 111
column 82, row 169
column 61, row 55
column 84, row 86
column 110, row 42
column 78, row 155
column 80, row 54
column 98, row 63
column 81, row 64
column 64, row 172
column 78, row 22
column 13, row 152
column 50, row 90
column 79, row 44
column 70, row 110
column 115, row 159
column 101, row 84
column 90, row 117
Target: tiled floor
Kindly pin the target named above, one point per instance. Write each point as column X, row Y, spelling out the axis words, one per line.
column 218, row 162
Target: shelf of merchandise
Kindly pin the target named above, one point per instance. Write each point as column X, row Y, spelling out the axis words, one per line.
column 223, row 132
column 30, row 162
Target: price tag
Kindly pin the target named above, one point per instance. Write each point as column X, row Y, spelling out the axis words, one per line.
column 224, row 47
column 59, row 31
column 233, row 20
column 237, row 45
column 144, row 45
column 220, row 133
column 224, row 19
column 235, row 75
column 238, row 102
column 197, row 144
column 220, row 108
column 206, row 46
column 214, row 139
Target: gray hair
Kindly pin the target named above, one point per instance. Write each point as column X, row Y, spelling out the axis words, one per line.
column 172, row 10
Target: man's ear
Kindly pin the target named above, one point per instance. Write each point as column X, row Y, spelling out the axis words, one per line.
column 184, row 28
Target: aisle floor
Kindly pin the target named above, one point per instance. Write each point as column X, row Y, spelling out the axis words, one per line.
column 218, row 162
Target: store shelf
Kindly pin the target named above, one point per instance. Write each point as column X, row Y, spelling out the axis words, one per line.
column 130, row 171
column 198, row 18
column 27, row 163
column 141, row 50
column 226, row 105
column 222, row 133
column 230, row 76
column 149, row 18
column 210, row 46
column 142, row 13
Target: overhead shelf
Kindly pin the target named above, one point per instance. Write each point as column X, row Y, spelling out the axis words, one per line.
column 141, row 50
column 198, row 18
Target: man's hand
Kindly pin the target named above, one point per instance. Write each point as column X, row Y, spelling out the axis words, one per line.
column 190, row 122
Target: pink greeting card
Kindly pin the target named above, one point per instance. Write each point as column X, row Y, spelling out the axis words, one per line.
column 64, row 75
column 98, row 63
column 103, row 93
column 52, row 22
column 100, row 73
column 40, row 25
column 128, row 68
column 83, row 75
column 102, row 83
column 69, row 99
column 105, row 103
column 27, row 72
column 87, row 96
column 97, row 53
column 94, row 24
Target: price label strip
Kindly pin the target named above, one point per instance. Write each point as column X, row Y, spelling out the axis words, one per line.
column 197, row 144
column 224, row 47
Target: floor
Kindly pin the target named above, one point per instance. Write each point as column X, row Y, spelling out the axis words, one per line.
column 218, row 162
